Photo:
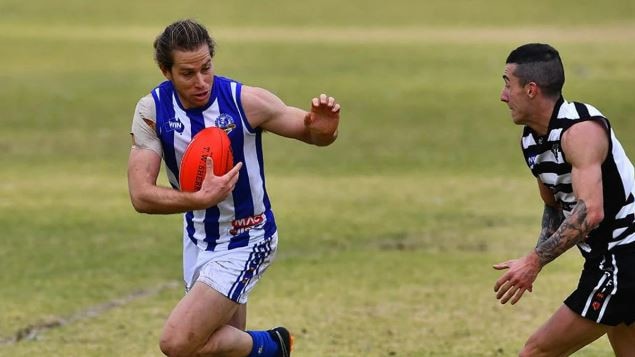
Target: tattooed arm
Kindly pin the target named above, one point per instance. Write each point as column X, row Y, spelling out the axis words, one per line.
column 586, row 147
column 571, row 232
column 552, row 218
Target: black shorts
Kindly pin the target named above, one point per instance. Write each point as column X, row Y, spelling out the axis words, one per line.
column 606, row 290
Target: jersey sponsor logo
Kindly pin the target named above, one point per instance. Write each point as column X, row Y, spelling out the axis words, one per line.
column 173, row 124
column 225, row 122
column 242, row 225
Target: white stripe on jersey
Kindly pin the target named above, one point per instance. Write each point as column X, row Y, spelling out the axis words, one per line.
column 182, row 140
column 554, row 135
column 226, row 207
column 614, row 275
column 626, row 210
column 606, row 303
column 568, row 111
column 198, row 223
column 210, row 114
column 565, row 197
column 588, row 301
column 624, row 166
column 608, row 298
column 627, row 240
column 593, row 111
column 551, row 178
column 251, row 160
column 548, row 156
column 528, row 141
column 225, row 219
column 618, row 231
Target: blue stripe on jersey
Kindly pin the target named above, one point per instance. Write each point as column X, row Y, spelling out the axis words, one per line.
column 270, row 226
column 240, row 240
column 189, row 226
column 259, row 152
column 175, row 128
column 242, row 193
column 165, row 112
column 211, row 225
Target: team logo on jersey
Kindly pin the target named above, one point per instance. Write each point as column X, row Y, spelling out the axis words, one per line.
column 531, row 161
column 173, row 124
column 555, row 149
column 225, row 122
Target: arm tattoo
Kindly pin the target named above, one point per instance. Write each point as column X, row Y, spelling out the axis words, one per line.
column 552, row 218
column 573, row 230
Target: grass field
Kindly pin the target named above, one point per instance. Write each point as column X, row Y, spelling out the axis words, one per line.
column 387, row 237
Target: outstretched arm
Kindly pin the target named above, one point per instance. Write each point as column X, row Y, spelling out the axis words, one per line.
column 317, row 126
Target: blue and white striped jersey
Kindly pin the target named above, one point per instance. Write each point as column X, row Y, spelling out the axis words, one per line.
column 227, row 225
column 548, row 162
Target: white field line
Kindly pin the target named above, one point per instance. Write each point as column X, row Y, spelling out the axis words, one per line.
column 614, row 33
column 32, row 331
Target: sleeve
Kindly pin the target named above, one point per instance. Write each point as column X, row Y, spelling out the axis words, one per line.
column 144, row 135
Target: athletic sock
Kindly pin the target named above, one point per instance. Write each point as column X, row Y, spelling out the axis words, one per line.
column 264, row 345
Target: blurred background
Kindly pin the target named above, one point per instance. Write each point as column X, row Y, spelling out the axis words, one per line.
column 387, row 237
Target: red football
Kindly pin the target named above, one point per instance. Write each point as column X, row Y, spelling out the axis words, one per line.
column 212, row 142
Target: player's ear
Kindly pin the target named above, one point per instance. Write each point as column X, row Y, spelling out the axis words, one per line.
column 532, row 89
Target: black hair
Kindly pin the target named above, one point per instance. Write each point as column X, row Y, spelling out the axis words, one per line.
column 541, row 64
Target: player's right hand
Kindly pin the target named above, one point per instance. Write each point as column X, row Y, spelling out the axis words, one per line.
column 215, row 189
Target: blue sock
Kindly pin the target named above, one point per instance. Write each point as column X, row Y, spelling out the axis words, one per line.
column 264, row 345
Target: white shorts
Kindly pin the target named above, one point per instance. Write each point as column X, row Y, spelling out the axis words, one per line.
column 233, row 273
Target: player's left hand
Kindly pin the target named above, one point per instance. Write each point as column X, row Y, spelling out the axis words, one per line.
column 519, row 278
column 324, row 117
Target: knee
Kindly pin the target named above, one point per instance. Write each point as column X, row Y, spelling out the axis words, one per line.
column 173, row 346
column 532, row 349
column 179, row 346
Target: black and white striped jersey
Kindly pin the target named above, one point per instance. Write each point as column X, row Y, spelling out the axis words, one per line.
column 547, row 161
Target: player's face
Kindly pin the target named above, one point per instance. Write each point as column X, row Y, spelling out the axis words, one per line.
column 192, row 76
column 515, row 95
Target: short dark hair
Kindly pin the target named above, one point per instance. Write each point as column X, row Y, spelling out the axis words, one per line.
column 184, row 35
column 539, row 63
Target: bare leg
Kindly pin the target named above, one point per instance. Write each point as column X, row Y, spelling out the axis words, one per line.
column 198, row 326
column 239, row 320
column 564, row 333
column 622, row 340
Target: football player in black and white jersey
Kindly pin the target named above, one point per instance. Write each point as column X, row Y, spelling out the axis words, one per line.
column 587, row 184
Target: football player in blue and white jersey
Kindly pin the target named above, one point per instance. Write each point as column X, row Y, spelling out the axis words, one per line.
column 229, row 231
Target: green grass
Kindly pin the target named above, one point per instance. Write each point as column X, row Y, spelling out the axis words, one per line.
column 387, row 237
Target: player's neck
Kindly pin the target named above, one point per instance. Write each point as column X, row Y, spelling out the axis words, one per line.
column 543, row 113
